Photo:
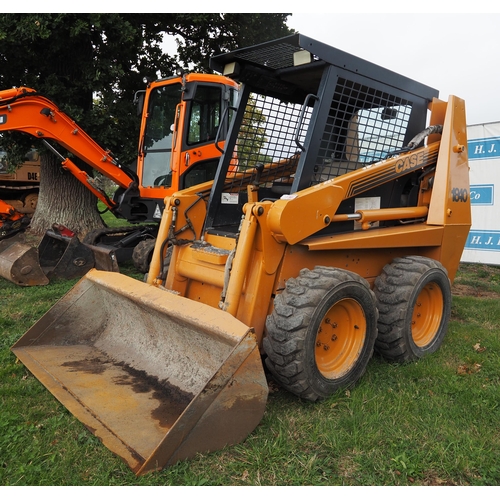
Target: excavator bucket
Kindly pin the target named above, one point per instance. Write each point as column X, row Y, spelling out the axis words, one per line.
column 19, row 262
column 64, row 257
column 157, row 377
column 58, row 256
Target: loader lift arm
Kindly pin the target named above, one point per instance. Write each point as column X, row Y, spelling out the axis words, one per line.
column 319, row 204
column 25, row 110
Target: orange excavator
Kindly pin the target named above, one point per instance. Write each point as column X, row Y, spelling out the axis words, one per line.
column 184, row 123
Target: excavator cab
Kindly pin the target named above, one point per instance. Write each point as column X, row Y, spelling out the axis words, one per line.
column 184, row 124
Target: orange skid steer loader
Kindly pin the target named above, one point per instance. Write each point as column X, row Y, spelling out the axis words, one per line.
column 335, row 230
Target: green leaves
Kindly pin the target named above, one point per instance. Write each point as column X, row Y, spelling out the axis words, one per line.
column 72, row 58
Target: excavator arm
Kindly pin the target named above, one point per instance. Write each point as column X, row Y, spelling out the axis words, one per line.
column 24, row 110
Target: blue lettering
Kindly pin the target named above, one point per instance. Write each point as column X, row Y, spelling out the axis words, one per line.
column 482, row 194
column 480, row 149
column 483, row 240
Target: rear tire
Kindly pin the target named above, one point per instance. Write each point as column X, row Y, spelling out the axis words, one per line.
column 142, row 254
column 414, row 302
column 321, row 333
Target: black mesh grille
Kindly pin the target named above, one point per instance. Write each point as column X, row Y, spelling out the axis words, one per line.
column 277, row 56
column 363, row 126
column 267, row 138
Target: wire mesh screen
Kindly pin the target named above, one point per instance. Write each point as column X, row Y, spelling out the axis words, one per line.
column 364, row 125
column 275, row 56
column 267, row 141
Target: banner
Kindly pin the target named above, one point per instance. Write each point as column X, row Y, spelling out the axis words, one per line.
column 483, row 242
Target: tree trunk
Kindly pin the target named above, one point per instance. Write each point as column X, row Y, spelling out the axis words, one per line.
column 63, row 200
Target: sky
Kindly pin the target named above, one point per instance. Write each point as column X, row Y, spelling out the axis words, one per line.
column 457, row 54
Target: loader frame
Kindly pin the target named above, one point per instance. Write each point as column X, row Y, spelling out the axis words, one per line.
column 302, row 197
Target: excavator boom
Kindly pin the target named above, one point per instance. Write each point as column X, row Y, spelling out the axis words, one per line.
column 24, row 110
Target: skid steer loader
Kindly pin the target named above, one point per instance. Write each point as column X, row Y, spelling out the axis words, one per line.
column 333, row 227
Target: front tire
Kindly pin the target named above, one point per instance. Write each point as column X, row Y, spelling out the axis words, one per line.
column 321, row 333
column 414, row 301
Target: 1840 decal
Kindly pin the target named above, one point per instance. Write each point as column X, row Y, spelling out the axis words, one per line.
column 458, row 195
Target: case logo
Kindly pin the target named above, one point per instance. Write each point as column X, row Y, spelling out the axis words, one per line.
column 411, row 162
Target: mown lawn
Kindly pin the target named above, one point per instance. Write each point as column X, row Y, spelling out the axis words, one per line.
column 434, row 422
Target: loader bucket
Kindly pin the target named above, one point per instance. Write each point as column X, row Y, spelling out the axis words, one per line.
column 64, row 257
column 19, row 262
column 157, row 377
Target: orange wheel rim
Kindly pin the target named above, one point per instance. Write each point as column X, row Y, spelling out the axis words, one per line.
column 340, row 338
column 427, row 315
column 31, row 201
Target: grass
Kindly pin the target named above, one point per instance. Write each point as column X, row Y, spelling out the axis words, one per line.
column 434, row 422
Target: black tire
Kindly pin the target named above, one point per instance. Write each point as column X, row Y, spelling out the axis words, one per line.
column 414, row 302
column 321, row 333
column 93, row 237
column 142, row 254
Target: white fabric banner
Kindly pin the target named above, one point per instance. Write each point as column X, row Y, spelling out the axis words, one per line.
column 483, row 242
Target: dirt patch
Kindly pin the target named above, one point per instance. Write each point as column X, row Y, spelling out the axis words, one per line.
column 477, row 280
column 471, row 291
